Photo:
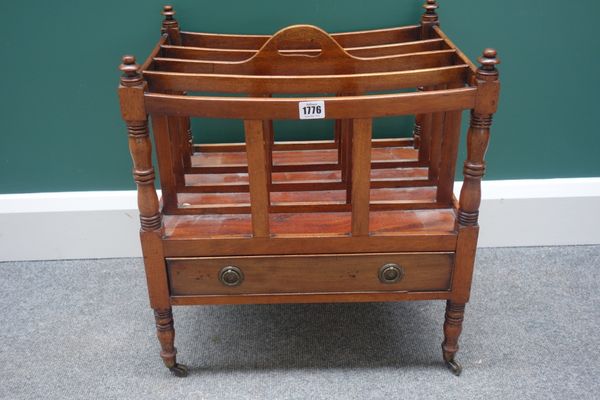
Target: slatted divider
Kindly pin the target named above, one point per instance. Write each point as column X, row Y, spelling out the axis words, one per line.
column 256, row 139
column 449, row 151
column 345, row 39
column 212, row 54
column 257, row 176
column 178, row 152
column 160, row 131
column 435, row 155
column 361, row 172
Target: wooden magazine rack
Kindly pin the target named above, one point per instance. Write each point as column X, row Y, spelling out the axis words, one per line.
column 352, row 219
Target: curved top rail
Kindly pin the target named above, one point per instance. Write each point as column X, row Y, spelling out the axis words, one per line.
column 343, row 107
column 350, row 83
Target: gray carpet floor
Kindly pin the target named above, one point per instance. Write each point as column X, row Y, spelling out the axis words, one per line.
column 83, row 329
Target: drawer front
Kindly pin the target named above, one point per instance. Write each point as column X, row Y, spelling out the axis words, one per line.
column 310, row 274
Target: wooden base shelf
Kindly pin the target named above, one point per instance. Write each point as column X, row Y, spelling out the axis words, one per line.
column 298, row 225
column 352, row 219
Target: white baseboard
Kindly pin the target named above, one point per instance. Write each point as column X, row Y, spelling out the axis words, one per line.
column 72, row 225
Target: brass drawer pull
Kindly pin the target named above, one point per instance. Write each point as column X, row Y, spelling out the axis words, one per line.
column 231, row 276
column 391, row 273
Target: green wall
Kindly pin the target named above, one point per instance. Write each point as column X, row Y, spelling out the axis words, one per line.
column 60, row 122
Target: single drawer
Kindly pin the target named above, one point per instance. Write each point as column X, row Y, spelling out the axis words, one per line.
column 310, row 273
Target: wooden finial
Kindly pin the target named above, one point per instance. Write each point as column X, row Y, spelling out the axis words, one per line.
column 170, row 26
column 131, row 75
column 429, row 19
column 168, row 12
column 488, row 62
column 430, row 7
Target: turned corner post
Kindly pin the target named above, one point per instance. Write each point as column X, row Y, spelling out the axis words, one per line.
column 421, row 131
column 486, row 103
column 131, row 94
column 488, row 86
column 429, row 19
column 170, row 29
column 170, row 26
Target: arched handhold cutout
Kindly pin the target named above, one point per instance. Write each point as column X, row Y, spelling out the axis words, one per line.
column 332, row 58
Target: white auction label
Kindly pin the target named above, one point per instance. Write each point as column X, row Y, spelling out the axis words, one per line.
column 312, row 109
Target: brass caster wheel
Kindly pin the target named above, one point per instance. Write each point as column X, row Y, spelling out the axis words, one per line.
column 454, row 366
column 179, row 370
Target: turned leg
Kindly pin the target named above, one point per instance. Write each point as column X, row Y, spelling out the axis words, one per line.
column 166, row 337
column 452, row 327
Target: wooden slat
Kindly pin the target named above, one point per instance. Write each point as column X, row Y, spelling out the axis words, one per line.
column 300, row 186
column 219, row 147
column 398, row 48
column 451, row 139
column 176, row 147
column 320, row 208
column 345, row 151
column 298, row 145
column 275, row 187
column 277, row 146
column 223, row 41
column 361, row 172
column 160, row 131
column 377, row 36
column 435, row 156
column 396, row 142
column 218, row 169
column 220, row 209
column 188, row 145
column 399, row 183
column 397, row 164
column 345, row 39
column 207, row 53
column 411, row 194
column 269, row 134
column 298, row 65
column 426, row 120
column 404, row 206
column 212, row 209
column 257, row 173
column 425, row 142
column 464, row 59
column 156, row 51
column 223, row 169
column 216, row 188
column 378, row 81
column 308, row 201
column 336, row 107
column 304, row 145
column 384, row 175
